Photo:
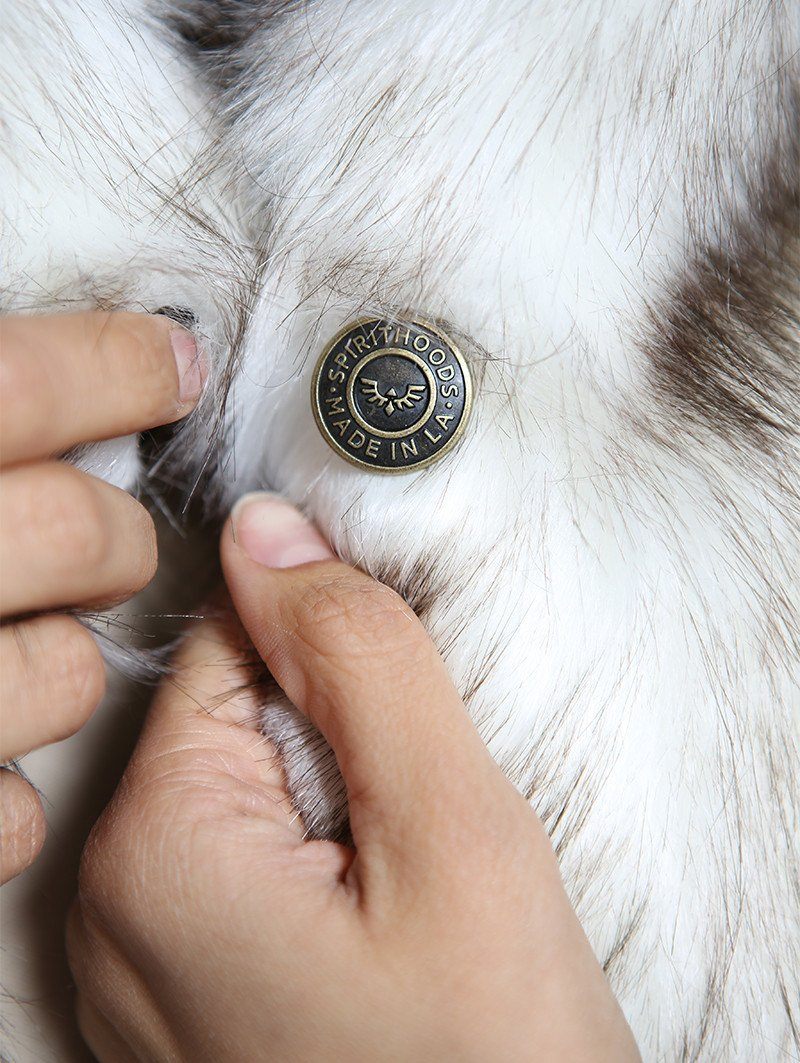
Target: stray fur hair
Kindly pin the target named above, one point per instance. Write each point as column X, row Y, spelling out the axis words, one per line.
column 600, row 201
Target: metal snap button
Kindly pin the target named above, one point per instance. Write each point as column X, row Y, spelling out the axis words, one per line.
column 391, row 396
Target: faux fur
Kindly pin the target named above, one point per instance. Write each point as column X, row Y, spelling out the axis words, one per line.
column 601, row 200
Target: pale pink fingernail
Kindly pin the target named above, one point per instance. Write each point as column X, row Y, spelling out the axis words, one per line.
column 191, row 368
column 275, row 534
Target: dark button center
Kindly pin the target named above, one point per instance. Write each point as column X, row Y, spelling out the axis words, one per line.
column 390, row 393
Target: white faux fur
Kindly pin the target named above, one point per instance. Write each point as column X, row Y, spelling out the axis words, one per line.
column 613, row 583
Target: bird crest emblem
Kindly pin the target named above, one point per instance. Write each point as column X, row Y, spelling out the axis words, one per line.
column 390, row 400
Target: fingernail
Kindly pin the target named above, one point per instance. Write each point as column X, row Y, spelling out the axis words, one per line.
column 191, row 370
column 275, row 534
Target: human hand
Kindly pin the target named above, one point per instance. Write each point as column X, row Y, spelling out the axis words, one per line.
column 67, row 538
column 206, row 928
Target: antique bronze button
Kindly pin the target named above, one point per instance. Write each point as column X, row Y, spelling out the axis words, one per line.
column 391, row 396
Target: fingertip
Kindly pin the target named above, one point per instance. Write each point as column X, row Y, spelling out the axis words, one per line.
column 274, row 534
column 176, row 338
column 180, row 323
column 165, row 365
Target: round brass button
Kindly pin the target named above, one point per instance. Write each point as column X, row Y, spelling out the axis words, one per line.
column 391, row 396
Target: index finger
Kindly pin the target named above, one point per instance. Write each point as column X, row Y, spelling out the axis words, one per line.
column 73, row 378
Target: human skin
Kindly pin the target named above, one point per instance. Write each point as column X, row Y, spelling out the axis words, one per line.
column 68, row 539
column 207, row 928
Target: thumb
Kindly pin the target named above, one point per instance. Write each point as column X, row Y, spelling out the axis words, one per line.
column 352, row 656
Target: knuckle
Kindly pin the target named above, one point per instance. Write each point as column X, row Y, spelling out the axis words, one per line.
column 119, row 852
column 352, row 612
column 136, row 851
column 93, row 869
column 103, row 871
